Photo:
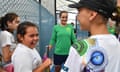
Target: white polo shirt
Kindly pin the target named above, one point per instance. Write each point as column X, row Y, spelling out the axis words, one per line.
column 112, row 47
column 25, row 59
column 6, row 38
column 109, row 43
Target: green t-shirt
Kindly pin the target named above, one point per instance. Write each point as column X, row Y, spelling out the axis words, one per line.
column 62, row 36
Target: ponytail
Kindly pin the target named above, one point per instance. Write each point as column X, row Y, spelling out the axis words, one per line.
column 3, row 24
column 116, row 15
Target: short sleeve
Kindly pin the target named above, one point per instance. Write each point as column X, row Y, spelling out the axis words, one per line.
column 73, row 62
column 7, row 39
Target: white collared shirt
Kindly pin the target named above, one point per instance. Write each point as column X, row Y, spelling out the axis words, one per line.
column 109, row 43
column 25, row 59
column 6, row 38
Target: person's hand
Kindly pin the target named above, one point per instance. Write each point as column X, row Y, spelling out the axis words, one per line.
column 44, row 66
column 49, row 46
column 47, row 62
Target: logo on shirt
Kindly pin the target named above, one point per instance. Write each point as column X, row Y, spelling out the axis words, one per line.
column 65, row 69
column 97, row 58
column 68, row 29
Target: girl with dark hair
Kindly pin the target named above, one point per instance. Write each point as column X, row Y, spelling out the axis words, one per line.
column 8, row 24
column 25, row 57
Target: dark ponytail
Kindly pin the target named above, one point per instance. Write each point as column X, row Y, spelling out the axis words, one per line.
column 3, row 24
column 116, row 15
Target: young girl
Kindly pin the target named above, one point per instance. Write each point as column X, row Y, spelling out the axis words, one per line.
column 100, row 52
column 8, row 24
column 25, row 57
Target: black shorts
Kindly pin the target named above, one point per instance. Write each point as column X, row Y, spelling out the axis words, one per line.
column 59, row 59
